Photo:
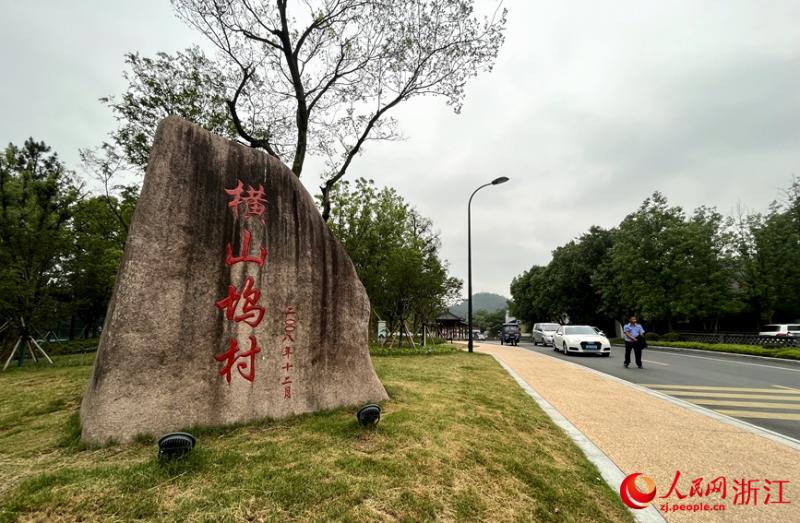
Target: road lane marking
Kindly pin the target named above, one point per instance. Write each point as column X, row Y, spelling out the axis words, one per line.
column 665, row 353
column 788, row 388
column 760, row 415
column 750, row 404
column 783, row 390
column 656, row 363
column 723, row 395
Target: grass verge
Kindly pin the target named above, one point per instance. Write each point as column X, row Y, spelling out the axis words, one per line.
column 459, row 441
column 755, row 350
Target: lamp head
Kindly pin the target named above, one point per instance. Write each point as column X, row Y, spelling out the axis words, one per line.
column 498, row 181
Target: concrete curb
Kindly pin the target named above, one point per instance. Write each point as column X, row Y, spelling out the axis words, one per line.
column 609, row 470
column 718, row 352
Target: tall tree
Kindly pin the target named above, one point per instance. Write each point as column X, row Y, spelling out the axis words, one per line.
column 666, row 266
column 570, row 277
column 395, row 252
column 98, row 240
column 531, row 300
column 320, row 77
column 186, row 84
column 37, row 194
column 490, row 321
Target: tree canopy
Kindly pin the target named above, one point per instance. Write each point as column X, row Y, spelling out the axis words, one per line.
column 395, row 251
column 37, row 195
column 669, row 267
column 320, row 77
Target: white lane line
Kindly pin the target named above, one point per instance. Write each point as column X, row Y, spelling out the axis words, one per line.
column 728, row 361
column 656, row 363
column 783, row 416
column 747, row 404
column 665, row 386
column 729, row 395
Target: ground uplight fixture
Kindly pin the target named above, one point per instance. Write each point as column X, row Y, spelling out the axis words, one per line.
column 175, row 445
column 369, row 415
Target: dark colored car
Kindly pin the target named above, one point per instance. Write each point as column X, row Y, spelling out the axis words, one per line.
column 510, row 334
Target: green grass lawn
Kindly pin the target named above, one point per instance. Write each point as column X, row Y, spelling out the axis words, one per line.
column 458, row 441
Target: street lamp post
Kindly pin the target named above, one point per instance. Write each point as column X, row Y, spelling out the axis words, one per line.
column 496, row 181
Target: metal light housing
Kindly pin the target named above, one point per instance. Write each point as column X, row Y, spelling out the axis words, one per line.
column 175, row 445
column 369, row 415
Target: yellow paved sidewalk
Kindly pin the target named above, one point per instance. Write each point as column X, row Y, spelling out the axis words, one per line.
column 647, row 434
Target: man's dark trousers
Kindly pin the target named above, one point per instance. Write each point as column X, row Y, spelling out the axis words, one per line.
column 637, row 350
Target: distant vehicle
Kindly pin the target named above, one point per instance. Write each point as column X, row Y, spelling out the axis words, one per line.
column 543, row 333
column 510, row 334
column 780, row 330
column 478, row 335
column 581, row 339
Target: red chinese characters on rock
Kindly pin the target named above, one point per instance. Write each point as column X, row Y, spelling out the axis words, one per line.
column 232, row 354
column 253, row 200
column 251, row 312
column 244, row 252
column 289, row 327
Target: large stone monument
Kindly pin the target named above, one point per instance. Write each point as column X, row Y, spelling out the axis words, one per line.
column 233, row 302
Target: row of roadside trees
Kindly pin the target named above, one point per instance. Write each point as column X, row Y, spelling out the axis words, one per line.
column 60, row 247
column 699, row 271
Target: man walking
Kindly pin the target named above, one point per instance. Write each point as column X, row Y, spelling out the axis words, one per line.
column 634, row 339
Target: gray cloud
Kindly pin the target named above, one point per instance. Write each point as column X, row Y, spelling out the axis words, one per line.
column 591, row 107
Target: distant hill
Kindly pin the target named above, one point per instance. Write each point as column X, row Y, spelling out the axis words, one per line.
column 485, row 301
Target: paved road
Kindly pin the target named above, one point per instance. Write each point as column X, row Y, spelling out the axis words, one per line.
column 764, row 393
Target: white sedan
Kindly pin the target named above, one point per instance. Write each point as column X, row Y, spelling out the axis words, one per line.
column 580, row 339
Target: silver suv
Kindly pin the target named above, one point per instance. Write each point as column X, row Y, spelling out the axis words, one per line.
column 543, row 333
column 781, row 330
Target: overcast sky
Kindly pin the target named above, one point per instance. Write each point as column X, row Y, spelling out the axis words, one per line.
column 592, row 106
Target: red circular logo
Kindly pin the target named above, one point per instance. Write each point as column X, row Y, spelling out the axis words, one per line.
column 632, row 496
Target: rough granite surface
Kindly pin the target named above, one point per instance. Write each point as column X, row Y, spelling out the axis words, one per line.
column 156, row 369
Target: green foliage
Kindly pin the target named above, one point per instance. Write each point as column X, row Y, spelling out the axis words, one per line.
column 98, row 240
column 395, row 252
column 185, row 84
column 671, row 336
column 77, row 346
column 322, row 77
column 489, row 322
column 59, row 252
column 768, row 248
column 652, row 336
column 665, row 266
column 431, row 349
column 529, row 295
column 565, row 288
column 37, row 198
column 569, row 278
column 785, row 353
